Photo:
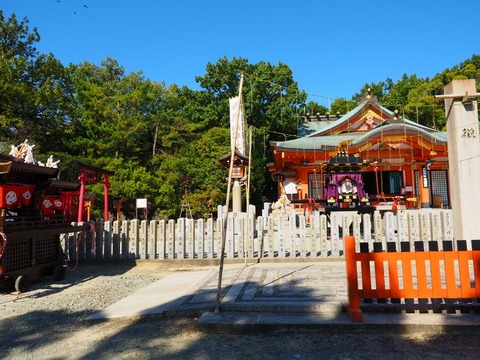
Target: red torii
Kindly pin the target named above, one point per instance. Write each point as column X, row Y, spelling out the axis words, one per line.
column 92, row 174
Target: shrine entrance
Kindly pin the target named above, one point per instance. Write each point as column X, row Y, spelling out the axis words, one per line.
column 92, row 174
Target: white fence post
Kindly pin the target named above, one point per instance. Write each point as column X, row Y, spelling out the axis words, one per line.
column 378, row 228
column 99, row 241
column 190, row 238
column 180, row 239
column 200, row 238
column 219, row 233
column 367, row 230
column 107, row 240
column 250, row 238
column 303, row 236
column 270, row 237
column 293, row 237
column 124, row 253
column 133, row 240
column 171, row 239
column 210, row 239
column 142, row 243
column 323, row 236
column 238, row 235
column 230, row 237
column 116, row 239
column 447, row 225
column 152, row 239
column 437, row 229
column 389, row 221
column 281, row 236
column 413, row 227
column 161, row 238
column 402, row 220
column 334, row 235
column 315, row 233
column 425, row 228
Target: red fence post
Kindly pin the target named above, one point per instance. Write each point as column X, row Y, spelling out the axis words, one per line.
column 353, row 308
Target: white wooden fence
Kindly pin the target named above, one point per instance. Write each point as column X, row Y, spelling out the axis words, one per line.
column 270, row 235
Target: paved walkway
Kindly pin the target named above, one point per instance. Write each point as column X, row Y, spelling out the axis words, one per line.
column 269, row 296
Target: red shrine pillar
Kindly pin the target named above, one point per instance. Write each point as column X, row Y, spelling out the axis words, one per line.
column 81, row 200
column 106, row 185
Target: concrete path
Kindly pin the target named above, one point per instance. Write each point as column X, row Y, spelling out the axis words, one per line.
column 270, row 297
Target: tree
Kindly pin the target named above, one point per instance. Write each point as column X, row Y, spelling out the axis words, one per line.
column 396, row 96
column 115, row 112
column 422, row 106
column 342, row 106
column 271, row 96
column 313, row 108
column 35, row 89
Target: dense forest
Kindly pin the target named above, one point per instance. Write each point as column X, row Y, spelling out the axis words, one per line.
column 164, row 142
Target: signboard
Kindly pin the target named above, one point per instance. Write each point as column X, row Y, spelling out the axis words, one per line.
column 424, row 176
column 141, row 203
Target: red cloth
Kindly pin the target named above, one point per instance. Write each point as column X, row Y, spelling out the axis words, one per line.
column 51, row 203
column 15, row 195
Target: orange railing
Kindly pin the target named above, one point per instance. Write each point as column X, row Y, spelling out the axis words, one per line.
column 409, row 275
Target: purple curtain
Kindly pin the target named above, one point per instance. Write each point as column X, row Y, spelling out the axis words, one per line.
column 334, row 181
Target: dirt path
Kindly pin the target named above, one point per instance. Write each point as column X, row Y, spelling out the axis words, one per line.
column 49, row 322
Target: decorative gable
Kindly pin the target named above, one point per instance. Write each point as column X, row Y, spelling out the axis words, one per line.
column 368, row 121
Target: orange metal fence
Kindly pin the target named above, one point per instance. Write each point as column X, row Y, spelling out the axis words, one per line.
column 410, row 275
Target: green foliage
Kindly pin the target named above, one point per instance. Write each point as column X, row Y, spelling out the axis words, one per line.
column 115, row 112
column 271, row 96
column 342, row 106
column 35, row 89
column 314, row 108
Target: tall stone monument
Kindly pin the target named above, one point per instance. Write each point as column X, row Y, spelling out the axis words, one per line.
column 463, row 157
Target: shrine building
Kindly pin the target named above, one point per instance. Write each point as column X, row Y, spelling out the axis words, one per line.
column 369, row 156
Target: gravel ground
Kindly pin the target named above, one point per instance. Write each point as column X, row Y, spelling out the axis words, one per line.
column 49, row 322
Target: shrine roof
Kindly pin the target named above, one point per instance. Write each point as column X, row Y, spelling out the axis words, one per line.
column 329, row 133
column 238, row 158
column 12, row 165
column 310, row 127
column 316, row 142
column 81, row 166
column 313, row 142
column 436, row 135
column 325, row 127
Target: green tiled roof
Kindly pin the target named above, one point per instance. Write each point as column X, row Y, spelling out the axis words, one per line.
column 317, row 136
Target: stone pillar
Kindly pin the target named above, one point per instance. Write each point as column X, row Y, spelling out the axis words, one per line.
column 236, row 196
column 463, row 157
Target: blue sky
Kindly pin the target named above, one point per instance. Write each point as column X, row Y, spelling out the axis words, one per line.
column 333, row 48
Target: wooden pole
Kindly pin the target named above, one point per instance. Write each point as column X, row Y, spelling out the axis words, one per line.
column 225, row 215
column 249, row 169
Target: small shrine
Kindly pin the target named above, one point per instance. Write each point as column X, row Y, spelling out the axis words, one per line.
column 35, row 209
column 370, row 156
column 240, row 161
column 344, row 181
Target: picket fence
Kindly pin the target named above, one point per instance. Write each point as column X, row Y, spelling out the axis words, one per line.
column 270, row 236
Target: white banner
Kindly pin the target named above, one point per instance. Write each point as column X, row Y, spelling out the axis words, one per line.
column 236, row 125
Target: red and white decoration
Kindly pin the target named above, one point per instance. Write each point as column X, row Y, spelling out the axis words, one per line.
column 15, row 195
